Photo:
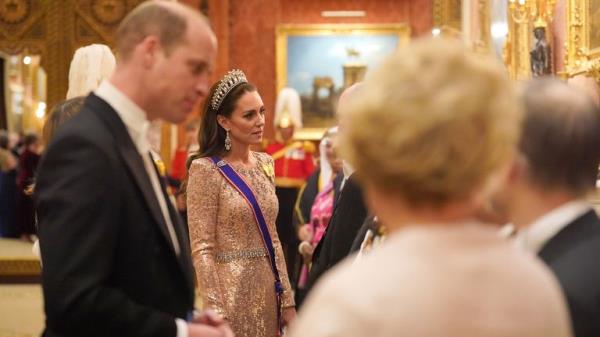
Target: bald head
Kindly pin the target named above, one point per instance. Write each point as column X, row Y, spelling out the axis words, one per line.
column 348, row 93
column 561, row 137
column 166, row 20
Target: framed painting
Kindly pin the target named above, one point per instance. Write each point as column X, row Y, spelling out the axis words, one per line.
column 320, row 61
column 583, row 38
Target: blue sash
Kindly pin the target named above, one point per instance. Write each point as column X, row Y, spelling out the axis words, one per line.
column 240, row 184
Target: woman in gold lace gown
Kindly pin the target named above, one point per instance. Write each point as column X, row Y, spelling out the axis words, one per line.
column 230, row 257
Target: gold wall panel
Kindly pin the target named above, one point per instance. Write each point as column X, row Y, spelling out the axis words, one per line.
column 447, row 13
column 55, row 29
column 583, row 38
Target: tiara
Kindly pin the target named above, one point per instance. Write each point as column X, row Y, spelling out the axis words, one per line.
column 228, row 82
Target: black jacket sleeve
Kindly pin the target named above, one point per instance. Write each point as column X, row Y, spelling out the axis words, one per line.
column 78, row 204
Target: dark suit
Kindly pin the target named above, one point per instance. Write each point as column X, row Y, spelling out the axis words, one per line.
column 347, row 218
column 306, row 199
column 109, row 267
column 368, row 224
column 574, row 256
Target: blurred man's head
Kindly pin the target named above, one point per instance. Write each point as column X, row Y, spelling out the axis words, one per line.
column 345, row 101
column 287, row 133
column 561, row 137
column 167, row 50
column 559, row 148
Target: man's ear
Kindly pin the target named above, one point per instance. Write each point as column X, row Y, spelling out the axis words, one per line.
column 518, row 168
column 223, row 122
column 149, row 49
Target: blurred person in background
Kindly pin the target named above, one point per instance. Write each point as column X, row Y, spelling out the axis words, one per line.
column 28, row 163
column 8, row 188
column 315, row 204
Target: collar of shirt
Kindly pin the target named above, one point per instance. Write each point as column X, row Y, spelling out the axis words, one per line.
column 347, row 169
column 134, row 117
column 535, row 236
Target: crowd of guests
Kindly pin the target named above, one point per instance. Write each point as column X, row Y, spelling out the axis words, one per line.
column 20, row 154
column 398, row 228
column 19, row 157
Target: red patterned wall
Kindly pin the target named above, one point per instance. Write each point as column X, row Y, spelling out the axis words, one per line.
column 246, row 30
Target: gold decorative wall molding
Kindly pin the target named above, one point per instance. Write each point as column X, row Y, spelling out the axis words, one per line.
column 592, row 69
column 483, row 41
column 447, row 13
column 22, row 26
column 583, row 39
column 102, row 17
column 20, row 267
column 55, row 29
column 517, row 48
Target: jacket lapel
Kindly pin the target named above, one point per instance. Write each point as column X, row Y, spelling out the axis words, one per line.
column 132, row 159
column 581, row 229
column 184, row 259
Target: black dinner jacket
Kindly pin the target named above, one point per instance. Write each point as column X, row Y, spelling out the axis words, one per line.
column 109, row 267
column 574, row 256
column 348, row 216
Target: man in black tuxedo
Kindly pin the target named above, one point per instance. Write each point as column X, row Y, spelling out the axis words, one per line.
column 348, row 216
column 545, row 194
column 115, row 253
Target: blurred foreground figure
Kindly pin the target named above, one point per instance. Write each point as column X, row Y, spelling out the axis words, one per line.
column 116, row 257
column 545, row 195
column 430, row 135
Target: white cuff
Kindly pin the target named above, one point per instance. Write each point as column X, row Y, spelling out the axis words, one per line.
column 182, row 328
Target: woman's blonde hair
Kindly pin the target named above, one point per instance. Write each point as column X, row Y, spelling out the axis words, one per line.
column 89, row 67
column 431, row 123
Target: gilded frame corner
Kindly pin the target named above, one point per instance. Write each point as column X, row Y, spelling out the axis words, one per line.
column 583, row 38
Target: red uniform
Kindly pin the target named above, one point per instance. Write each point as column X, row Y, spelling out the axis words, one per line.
column 293, row 163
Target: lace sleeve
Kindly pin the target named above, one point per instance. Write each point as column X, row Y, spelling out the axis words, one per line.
column 203, row 204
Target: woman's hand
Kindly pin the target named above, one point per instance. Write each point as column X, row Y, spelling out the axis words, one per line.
column 306, row 251
column 288, row 315
column 305, row 233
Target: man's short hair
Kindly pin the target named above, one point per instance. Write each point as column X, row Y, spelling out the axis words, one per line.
column 151, row 18
column 561, row 136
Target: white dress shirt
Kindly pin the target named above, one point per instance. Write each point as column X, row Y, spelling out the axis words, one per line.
column 136, row 121
column 537, row 234
column 348, row 170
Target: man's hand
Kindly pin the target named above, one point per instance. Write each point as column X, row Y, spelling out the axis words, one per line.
column 203, row 330
column 208, row 323
column 305, row 232
column 306, row 251
column 209, row 317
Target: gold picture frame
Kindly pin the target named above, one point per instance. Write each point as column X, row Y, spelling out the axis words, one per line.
column 293, row 38
column 583, row 38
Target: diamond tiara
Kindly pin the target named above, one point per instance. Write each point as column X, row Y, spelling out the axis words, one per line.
column 228, row 82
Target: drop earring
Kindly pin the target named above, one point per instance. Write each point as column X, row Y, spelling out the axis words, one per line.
column 227, row 141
